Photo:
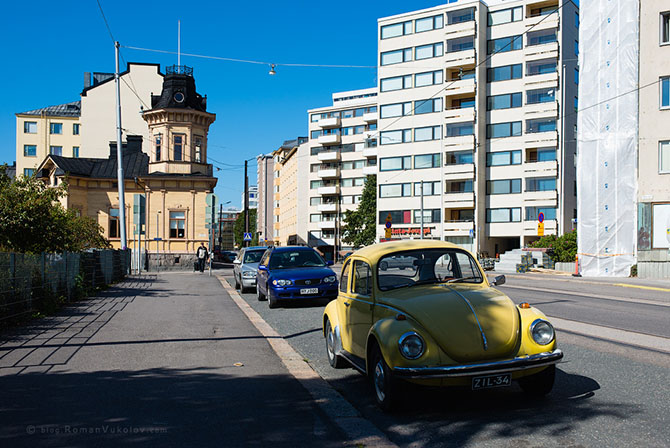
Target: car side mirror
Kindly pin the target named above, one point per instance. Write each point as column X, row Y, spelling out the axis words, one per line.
column 329, row 263
column 237, row 261
column 262, row 267
column 499, row 280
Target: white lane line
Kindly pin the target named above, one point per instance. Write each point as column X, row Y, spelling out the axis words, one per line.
column 359, row 430
column 591, row 296
column 613, row 334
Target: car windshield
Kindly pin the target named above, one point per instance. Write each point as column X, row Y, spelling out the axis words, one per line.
column 253, row 256
column 295, row 259
column 418, row 267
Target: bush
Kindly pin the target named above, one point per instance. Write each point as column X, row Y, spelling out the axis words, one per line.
column 562, row 249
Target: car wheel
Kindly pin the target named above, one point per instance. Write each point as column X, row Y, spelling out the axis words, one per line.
column 335, row 360
column 383, row 265
column 539, row 384
column 237, row 284
column 384, row 384
column 259, row 294
column 272, row 302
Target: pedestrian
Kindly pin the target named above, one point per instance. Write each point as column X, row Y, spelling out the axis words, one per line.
column 202, row 254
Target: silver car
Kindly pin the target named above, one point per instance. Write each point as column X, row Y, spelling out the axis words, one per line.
column 245, row 267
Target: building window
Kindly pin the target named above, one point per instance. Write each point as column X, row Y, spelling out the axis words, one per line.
column 505, row 73
column 313, row 185
column 395, row 110
column 56, row 150
column 178, row 147
column 534, row 155
column 56, row 128
column 395, row 163
column 664, row 157
column 397, row 216
column 499, row 130
column 576, row 48
column 504, row 44
column 459, row 186
column 494, row 215
column 177, row 224
column 429, row 188
column 197, row 145
column 114, row 228
column 665, row 92
column 429, row 51
column 543, row 11
column 665, row 28
column 459, row 158
column 396, row 56
column 426, row 161
column 30, row 127
column 506, row 101
column 396, row 83
column 429, row 216
column 576, row 20
column 28, row 172
column 429, row 23
column 505, row 16
column 395, row 190
column 427, row 106
column 541, row 184
column 30, row 150
column 75, row 128
column 460, row 16
column 503, row 158
column 394, row 137
column 504, row 186
column 540, row 96
column 75, row 151
column 540, row 125
column 460, row 129
column 540, row 67
column 541, row 37
column 395, row 30
column 533, row 212
column 158, row 142
column 576, row 76
column 460, row 44
column 428, row 78
column 428, row 133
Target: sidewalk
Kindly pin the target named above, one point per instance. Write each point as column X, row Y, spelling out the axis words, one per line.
column 162, row 360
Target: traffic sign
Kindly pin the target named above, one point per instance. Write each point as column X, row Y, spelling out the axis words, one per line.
column 247, row 236
column 540, row 229
column 540, row 217
column 388, row 224
column 388, row 218
column 387, row 233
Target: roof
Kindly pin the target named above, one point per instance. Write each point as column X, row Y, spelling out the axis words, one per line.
column 135, row 164
column 290, row 144
column 72, row 109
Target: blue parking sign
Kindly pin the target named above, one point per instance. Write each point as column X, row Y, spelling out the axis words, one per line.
column 247, row 237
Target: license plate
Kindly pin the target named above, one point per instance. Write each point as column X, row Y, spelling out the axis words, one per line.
column 309, row 291
column 488, row 382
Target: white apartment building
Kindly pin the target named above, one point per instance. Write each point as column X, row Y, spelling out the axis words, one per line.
column 342, row 152
column 265, row 210
column 253, row 197
column 471, row 100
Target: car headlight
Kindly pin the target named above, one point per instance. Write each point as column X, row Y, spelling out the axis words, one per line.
column 330, row 279
column 249, row 274
column 542, row 331
column 411, row 345
column 282, row 282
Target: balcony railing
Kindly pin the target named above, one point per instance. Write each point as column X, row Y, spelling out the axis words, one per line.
column 179, row 70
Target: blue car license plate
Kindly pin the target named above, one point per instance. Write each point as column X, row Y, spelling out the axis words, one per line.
column 309, row 291
column 491, row 381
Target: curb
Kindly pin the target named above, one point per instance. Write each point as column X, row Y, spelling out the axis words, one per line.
column 359, row 430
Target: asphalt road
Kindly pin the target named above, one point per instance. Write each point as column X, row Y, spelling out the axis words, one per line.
column 606, row 393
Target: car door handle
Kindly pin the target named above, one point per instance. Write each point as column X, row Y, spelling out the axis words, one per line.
column 347, row 303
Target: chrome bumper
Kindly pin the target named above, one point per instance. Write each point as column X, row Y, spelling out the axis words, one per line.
column 508, row 365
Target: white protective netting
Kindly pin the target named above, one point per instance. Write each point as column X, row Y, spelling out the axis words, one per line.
column 607, row 136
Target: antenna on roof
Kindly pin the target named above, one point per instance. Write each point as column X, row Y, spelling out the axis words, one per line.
column 178, row 42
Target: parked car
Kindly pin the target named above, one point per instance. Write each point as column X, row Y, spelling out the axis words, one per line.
column 294, row 273
column 438, row 322
column 246, row 266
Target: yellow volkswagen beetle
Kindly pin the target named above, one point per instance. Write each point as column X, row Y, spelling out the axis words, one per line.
column 423, row 311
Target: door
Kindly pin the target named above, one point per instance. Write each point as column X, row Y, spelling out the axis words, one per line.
column 359, row 309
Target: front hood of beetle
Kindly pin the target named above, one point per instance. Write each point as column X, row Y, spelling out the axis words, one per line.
column 442, row 311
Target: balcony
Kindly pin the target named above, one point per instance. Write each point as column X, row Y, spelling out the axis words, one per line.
column 328, row 156
column 327, row 224
column 538, row 23
column 332, row 122
column 370, row 170
column 463, row 29
column 370, row 152
column 459, row 200
column 505, row 229
column 540, row 198
column 541, row 169
column 328, row 241
column 460, row 87
column 461, row 142
column 328, row 173
column 462, row 171
column 542, row 139
column 544, row 51
column 541, row 110
column 329, row 190
column 332, row 207
column 459, row 115
column 329, row 139
column 370, row 117
column 541, row 80
column 458, row 228
column 460, row 58
column 530, row 227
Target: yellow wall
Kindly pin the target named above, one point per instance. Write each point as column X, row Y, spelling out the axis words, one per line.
column 43, row 139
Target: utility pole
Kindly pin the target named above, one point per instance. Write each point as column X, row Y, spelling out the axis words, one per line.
column 119, row 157
column 246, row 202
column 220, row 223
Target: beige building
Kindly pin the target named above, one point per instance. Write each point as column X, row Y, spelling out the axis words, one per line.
column 49, row 130
column 265, row 210
column 653, row 254
column 286, row 192
column 470, row 95
column 341, row 154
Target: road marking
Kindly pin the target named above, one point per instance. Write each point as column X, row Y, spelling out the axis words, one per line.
column 592, row 296
column 359, row 430
column 612, row 334
column 652, row 288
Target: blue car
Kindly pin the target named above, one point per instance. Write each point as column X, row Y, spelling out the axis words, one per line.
column 294, row 273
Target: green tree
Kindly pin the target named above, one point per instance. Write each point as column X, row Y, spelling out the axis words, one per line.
column 563, row 248
column 32, row 220
column 360, row 225
column 238, row 229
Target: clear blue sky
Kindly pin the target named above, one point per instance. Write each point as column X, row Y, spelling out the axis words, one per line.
column 49, row 45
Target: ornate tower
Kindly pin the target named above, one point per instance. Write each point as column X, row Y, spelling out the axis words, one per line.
column 178, row 124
